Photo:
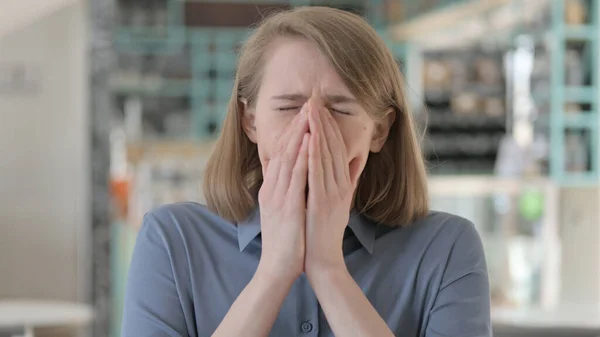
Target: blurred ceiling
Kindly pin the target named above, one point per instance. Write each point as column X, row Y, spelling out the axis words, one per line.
column 17, row 14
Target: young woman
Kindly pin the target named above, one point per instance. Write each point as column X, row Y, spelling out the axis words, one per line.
column 317, row 221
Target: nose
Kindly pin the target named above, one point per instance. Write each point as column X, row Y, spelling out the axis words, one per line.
column 315, row 101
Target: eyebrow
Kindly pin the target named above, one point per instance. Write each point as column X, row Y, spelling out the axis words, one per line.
column 299, row 97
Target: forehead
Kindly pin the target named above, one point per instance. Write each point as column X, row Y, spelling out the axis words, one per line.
column 297, row 65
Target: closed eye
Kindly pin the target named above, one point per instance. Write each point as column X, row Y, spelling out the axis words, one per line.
column 292, row 108
column 288, row 108
column 340, row 111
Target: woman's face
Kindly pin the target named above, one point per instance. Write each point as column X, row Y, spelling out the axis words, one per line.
column 296, row 72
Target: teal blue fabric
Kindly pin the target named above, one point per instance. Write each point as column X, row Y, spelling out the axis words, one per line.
column 428, row 279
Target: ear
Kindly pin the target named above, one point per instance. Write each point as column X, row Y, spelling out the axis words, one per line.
column 248, row 119
column 382, row 130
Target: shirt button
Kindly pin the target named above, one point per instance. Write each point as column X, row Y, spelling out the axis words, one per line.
column 306, row 327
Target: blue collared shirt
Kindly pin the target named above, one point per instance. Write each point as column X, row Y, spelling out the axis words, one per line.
column 428, row 279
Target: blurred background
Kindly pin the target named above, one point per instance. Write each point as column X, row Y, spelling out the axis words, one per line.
column 108, row 108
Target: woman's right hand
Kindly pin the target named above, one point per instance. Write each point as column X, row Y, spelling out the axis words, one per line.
column 282, row 200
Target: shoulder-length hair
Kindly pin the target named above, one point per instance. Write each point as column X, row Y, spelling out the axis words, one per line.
column 392, row 189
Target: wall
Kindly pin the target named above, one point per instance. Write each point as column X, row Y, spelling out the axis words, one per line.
column 580, row 233
column 44, row 164
column 16, row 14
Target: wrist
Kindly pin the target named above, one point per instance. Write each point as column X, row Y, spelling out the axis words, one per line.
column 274, row 277
column 325, row 262
column 324, row 273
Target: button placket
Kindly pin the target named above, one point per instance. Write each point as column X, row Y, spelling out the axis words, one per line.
column 306, row 327
column 308, row 315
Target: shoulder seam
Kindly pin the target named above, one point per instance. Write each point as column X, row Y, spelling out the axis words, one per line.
column 442, row 286
column 462, row 232
column 169, row 257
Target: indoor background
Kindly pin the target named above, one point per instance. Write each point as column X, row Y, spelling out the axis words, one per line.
column 108, row 108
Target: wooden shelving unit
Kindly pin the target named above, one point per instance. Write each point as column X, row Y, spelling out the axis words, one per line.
column 459, row 24
column 568, row 106
column 188, row 32
column 566, row 126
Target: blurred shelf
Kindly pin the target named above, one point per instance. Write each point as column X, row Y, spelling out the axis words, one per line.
column 167, row 40
column 442, row 17
column 150, row 86
column 587, row 120
column 580, row 94
column 476, row 185
column 168, row 149
column 579, row 179
column 448, row 120
column 467, row 23
column 572, row 316
column 580, row 32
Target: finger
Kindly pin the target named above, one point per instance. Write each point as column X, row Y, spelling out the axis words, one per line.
column 283, row 138
column 336, row 129
column 340, row 137
column 300, row 173
column 272, row 166
column 329, row 182
column 265, row 167
column 296, row 133
column 290, row 152
column 354, row 172
column 315, row 170
column 337, row 149
column 271, row 173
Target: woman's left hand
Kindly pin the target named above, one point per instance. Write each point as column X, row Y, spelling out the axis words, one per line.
column 330, row 192
column 331, row 183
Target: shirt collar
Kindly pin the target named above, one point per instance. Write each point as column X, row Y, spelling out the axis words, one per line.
column 363, row 228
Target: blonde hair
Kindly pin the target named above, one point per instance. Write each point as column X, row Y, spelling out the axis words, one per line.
column 392, row 189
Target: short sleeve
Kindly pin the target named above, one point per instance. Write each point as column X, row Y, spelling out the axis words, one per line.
column 152, row 304
column 462, row 305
